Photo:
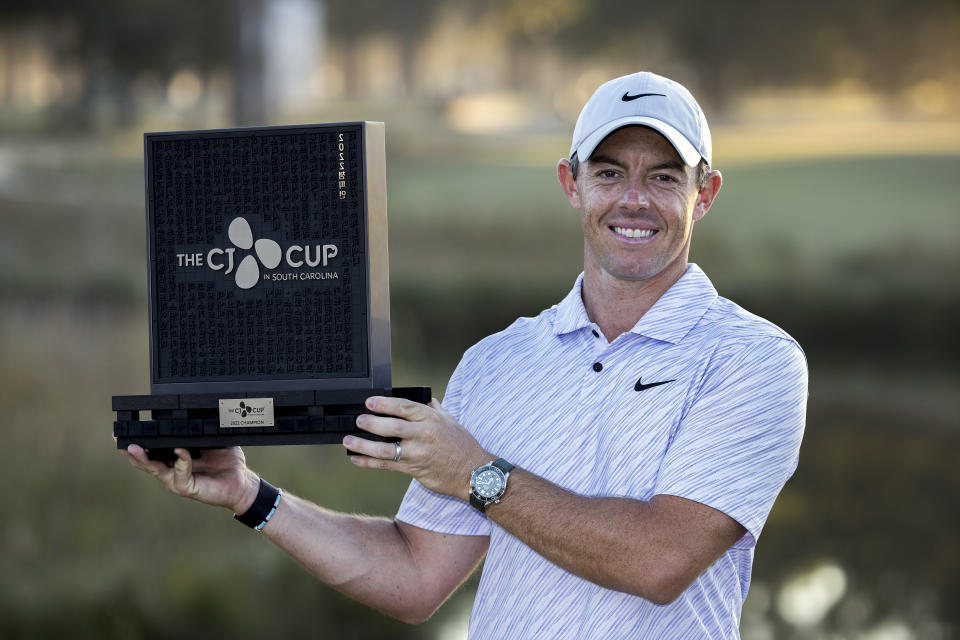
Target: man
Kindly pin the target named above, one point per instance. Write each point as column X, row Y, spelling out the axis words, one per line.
column 641, row 429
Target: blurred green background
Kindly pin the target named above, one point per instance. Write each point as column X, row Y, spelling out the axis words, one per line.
column 836, row 128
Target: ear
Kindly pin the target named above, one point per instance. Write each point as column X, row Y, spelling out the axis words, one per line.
column 568, row 182
column 705, row 198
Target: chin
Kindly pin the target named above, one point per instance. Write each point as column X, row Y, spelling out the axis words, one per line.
column 640, row 272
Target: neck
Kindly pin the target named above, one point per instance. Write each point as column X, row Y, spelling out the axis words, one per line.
column 617, row 305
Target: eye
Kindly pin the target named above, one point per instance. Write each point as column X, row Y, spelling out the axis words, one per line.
column 666, row 179
column 606, row 173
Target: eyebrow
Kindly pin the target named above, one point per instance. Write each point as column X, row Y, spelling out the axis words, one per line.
column 672, row 164
column 598, row 159
column 669, row 164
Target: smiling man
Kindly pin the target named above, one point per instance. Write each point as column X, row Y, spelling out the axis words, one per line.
column 614, row 458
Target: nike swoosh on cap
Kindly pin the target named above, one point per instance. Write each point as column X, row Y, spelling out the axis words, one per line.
column 627, row 97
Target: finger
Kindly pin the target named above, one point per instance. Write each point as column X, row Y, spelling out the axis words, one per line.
column 370, row 462
column 137, row 452
column 386, row 427
column 183, row 472
column 369, row 448
column 212, row 459
column 436, row 406
column 399, row 407
column 137, row 456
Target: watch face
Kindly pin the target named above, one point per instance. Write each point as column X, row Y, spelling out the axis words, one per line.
column 489, row 482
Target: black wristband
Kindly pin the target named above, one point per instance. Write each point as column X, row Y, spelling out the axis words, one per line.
column 503, row 465
column 477, row 503
column 263, row 507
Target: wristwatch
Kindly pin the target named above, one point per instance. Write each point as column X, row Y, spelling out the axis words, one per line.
column 488, row 483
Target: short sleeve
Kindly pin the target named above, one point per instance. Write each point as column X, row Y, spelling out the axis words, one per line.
column 433, row 511
column 739, row 439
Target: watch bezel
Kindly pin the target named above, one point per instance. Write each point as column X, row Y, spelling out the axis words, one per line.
column 501, row 478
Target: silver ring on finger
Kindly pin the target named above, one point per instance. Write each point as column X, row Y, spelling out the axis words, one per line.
column 396, row 456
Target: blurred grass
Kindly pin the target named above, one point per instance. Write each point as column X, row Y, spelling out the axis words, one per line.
column 856, row 256
column 511, row 225
column 818, row 214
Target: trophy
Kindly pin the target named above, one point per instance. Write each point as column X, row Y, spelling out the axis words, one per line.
column 268, row 290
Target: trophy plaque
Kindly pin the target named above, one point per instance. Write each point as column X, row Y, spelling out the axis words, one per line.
column 268, row 292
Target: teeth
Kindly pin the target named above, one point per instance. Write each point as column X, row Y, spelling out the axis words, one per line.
column 634, row 233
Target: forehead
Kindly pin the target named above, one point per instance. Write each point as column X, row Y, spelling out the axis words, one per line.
column 636, row 140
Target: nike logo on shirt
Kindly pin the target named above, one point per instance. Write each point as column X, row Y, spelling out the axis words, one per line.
column 640, row 386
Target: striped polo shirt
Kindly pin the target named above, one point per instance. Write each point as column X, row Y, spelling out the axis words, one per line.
column 701, row 399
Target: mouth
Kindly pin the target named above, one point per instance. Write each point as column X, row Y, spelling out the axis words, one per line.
column 631, row 233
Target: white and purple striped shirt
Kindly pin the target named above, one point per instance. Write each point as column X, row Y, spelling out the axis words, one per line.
column 552, row 396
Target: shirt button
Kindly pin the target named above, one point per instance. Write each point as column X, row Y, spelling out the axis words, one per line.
column 595, row 334
column 597, row 366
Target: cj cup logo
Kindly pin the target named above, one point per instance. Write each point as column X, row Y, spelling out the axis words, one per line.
column 245, row 409
column 266, row 252
column 248, row 273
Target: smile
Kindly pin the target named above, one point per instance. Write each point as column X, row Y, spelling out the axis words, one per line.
column 633, row 233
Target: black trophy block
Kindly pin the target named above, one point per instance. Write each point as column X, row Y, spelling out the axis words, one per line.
column 268, row 287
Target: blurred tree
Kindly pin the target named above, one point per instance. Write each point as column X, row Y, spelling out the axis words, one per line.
column 114, row 41
column 719, row 49
column 351, row 21
column 890, row 45
column 247, row 45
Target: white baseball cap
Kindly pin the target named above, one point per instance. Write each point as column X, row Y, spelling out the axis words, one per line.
column 644, row 99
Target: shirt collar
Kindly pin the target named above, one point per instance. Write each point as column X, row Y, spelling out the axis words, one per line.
column 571, row 314
column 669, row 319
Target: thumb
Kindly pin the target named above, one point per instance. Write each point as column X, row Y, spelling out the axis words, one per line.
column 183, row 482
column 435, row 404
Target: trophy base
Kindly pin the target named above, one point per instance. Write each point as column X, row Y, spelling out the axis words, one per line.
column 194, row 421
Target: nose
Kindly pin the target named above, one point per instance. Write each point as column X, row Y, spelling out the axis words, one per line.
column 634, row 196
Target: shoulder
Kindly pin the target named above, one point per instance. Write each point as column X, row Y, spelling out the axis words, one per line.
column 524, row 336
column 497, row 360
column 748, row 370
column 730, row 333
column 729, row 320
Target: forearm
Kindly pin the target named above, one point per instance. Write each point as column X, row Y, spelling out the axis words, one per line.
column 363, row 557
column 403, row 570
column 651, row 549
column 618, row 543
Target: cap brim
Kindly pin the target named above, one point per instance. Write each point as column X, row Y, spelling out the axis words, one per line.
column 690, row 156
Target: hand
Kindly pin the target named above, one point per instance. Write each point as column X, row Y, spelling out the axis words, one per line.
column 436, row 449
column 220, row 477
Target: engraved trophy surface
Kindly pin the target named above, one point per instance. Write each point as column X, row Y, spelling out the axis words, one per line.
column 268, row 287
